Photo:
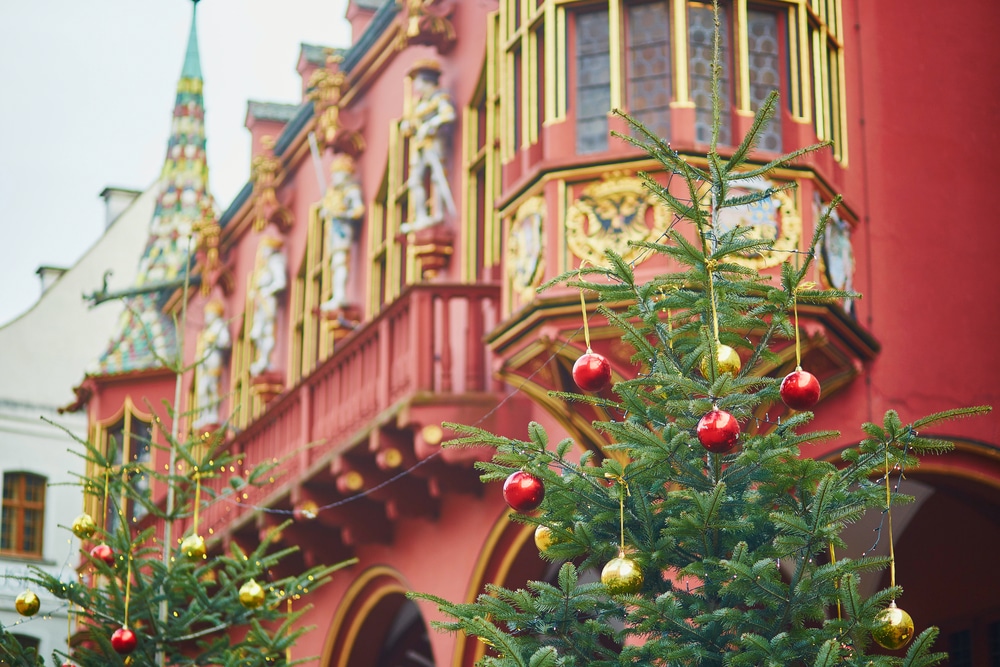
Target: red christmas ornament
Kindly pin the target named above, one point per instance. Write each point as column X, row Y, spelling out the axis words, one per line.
column 103, row 552
column 592, row 371
column 718, row 431
column 523, row 491
column 800, row 390
column 123, row 641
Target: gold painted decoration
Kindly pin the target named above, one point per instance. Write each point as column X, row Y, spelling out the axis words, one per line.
column 525, row 245
column 265, row 174
column 608, row 214
column 776, row 219
column 427, row 23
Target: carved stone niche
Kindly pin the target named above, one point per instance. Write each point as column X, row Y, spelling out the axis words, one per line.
column 433, row 247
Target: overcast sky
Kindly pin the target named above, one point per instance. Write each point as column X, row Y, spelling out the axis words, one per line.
column 86, row 93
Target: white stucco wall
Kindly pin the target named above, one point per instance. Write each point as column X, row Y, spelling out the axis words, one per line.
column 43, row 354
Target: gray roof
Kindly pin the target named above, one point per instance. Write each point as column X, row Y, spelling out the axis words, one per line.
column 272, row 111
column 370, row 4
column 316, row 54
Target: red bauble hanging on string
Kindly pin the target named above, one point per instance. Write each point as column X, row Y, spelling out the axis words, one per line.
column 800, row 390
column 523, row 491
column 592, row 371
column 123, row 641
column 718, row 431
column 103, row 552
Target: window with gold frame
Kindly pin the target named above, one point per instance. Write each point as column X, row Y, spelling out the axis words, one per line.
column 311, row 342
column 23, row 516
column 482, row 168
column 798, row 41
column 126, row 441
column 390, row 253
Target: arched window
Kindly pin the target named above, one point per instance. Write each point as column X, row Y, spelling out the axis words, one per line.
column 23, row 514
column 126, row 440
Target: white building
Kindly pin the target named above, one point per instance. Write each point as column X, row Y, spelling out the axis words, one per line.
column 43, row 354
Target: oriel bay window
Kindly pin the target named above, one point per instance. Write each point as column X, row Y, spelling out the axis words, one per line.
column 648, row 57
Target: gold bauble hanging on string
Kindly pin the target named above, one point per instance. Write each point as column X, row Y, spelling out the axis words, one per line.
column 727, row 360
column 193, row 547
column 543, row 538
column 893, row 629
column 622, row 575
column 27, row 604
column 83, row 526
column 251, row 595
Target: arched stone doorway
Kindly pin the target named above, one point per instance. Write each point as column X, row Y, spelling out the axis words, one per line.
column 377, row 626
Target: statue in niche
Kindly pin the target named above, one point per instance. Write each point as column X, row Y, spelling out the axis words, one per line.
column 427, row 126
column 340, row 211
column 213, row 342
column 269, row 280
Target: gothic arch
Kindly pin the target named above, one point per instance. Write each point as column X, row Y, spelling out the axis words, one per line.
column 375, row 623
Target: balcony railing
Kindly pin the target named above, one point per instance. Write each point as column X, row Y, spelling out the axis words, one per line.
column 427, row 342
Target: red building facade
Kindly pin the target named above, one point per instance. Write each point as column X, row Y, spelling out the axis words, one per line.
column 377, row 275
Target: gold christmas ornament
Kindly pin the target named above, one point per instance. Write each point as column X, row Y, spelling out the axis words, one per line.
column 193, row 547
column 727, row 360
column 27, row 604
column 543, row 538
column 622, row 575
column 83, row 526
column 251, row 595
column 894, row 629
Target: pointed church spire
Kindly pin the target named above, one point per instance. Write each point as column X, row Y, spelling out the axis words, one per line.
column 192, row 63
column 146, row 336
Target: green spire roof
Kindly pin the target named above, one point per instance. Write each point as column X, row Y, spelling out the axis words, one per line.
column 192, row 63
column 146, row 335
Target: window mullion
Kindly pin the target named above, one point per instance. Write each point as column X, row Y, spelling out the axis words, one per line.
column 742, row 56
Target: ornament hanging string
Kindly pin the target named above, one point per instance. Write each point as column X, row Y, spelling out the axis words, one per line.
column 197, row 499
column 833, row 561
column 583, row 307
column 888, row 512
column 104, row 507
column 128, row 584
column 622, row 490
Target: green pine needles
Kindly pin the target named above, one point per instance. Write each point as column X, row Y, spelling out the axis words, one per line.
column 735, row 548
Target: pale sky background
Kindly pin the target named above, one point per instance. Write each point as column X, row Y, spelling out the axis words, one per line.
column 86, row 94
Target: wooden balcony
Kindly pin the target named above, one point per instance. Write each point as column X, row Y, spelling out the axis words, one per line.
column 369, row 412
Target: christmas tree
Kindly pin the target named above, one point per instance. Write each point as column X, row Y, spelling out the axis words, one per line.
column 715, row 537
column 138, row 602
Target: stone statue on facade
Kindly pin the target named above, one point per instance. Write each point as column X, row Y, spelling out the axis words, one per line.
column 340, row 211
column 427, row 125
column 269, row 279
column 213, row 342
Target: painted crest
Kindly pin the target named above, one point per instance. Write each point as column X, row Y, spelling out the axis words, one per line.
column 525, row 243
column 775, row 219
column 609, row 214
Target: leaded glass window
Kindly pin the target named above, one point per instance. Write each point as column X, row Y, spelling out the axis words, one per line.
column 650, row 79
column 593, row 81
column 700, row 49
column 765, row 63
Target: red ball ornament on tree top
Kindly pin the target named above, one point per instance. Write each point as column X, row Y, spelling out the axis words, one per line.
column 592, row 371
column 718, row 431
column 123, row 641
column 523, row 491
column 103, row 552
column 800, row 390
